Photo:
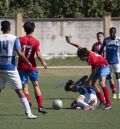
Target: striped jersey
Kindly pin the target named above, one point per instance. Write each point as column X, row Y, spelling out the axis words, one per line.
column 9, row 44
column 112, row 50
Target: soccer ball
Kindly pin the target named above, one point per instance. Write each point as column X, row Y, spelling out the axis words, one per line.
column 57, row 104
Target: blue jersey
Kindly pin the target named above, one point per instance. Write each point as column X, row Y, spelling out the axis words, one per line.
column 112, row 50
column 83, row 90
column 9, row 44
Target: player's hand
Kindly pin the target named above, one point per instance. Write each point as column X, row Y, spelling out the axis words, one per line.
column 68, row 39
column 29, row 64
column 45, row 65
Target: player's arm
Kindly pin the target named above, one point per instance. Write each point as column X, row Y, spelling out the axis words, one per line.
column 39, row 56
column 69, row 40
column 102, row 47
column 21, row 55
column 17, row 47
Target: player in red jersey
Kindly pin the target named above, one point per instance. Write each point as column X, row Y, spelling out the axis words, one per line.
column 30, row 47
column 96, row 48
column 100, row 69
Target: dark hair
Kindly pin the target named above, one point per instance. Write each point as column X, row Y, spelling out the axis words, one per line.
column 82, row 52
column 100, row 33
column 5, row 26
column 68, row 84
column 112, row 28
column 29, row 27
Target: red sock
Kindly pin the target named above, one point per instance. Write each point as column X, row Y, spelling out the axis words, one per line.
column 113, row 88
column 28, row 97
column 106, row 94
column 39, row 100
column 100, row 97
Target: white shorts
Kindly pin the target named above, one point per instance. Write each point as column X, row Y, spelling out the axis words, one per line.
column 115, row 68
column 89, row 97
column 12, row 77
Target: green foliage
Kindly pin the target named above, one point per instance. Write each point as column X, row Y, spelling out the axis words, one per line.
column 59, row 8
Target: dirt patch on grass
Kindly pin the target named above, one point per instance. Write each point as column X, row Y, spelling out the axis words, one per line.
column 67, row 71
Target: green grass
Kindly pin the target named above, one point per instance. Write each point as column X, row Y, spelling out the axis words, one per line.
column 12, row 114
column 69, row 61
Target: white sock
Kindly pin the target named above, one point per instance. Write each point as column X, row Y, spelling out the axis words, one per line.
column 26, row 105
column 118, row 86
column 81, row 103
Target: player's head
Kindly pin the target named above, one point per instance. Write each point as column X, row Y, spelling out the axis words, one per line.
column 5, row 26
column 70, row 86
column 112, row 33
column 82, row 53
column 29, row 27
column 100, row 36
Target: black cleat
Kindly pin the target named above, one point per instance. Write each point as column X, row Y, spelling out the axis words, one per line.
column 42, row 110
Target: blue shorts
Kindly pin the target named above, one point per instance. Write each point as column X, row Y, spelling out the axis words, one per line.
column 103, row 71
column 33, row 76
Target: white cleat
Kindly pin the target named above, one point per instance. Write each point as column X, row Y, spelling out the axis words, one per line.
column 31, row 116
column 114, row 96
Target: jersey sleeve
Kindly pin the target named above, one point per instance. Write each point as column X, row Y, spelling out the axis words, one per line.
column 17, row 45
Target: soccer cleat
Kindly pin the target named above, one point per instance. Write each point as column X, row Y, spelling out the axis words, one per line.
column 102, row 105
column 31, row 116
column 42, row 110
column 114, row 96
column 108, row 106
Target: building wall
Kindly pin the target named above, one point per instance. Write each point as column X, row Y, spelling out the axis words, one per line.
column 51, row 32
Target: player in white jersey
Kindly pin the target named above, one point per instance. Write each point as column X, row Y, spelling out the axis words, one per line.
column 112, row 44
column 9, row 46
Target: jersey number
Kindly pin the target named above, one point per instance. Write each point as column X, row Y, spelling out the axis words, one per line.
column 27, row 50
column 4, row 47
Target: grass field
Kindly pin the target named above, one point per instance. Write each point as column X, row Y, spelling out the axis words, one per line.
column 12, row 114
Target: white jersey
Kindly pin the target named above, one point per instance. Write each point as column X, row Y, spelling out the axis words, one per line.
column 112, row 50
column 8, row 46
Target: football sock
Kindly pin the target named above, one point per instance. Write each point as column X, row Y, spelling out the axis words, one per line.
column 39, row 101
column 26, row 105
column 100, row 97
column 106, row 94
column 28, row 97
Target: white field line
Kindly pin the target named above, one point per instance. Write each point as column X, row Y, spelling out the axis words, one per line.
column 64, row 67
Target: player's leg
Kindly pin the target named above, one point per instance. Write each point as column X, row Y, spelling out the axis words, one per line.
column 15, row 82
column 103, row 74
column 118, row 84
column 98, row 91
column 116, row 70
column 3, row 80
column 37, row 91
column 24, row 80
column 82, row 101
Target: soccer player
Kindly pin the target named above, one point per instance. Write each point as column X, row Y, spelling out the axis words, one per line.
column 9, row 46
column 96, row 48
column 30, row 47
column 100, row 68
column 112, row 44
column 87, row 99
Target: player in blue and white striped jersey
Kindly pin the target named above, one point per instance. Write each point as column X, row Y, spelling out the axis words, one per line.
column 9, row 46
column 112, row 44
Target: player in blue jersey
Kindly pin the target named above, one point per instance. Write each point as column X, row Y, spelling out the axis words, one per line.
column 87, row 99
column 112, row 44
column 9, row 46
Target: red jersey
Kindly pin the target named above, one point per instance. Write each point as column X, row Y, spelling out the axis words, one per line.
column 96, row 60
column 96, row 48
column 29, row 47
